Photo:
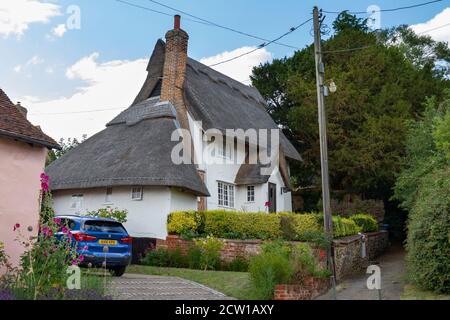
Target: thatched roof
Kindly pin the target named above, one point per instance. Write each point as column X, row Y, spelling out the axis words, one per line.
column 134, row 149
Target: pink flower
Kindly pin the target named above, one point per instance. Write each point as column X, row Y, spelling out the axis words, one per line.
column 267, row 204
column 57, row 221
column 47, row 231
column 44, row 177
column 85, row 248
column 44, row 182
column 64, row 230
column 16, row 226
column 81, row 258
column 74, row 262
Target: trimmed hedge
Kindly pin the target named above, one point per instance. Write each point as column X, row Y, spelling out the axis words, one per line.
column 367, row 222
column 261, row 225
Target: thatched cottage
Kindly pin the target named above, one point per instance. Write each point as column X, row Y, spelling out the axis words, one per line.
column 130, row 163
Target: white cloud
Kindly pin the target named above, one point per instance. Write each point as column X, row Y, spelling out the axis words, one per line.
column 17, row 15
column 241, row 68
column 33, row 61
column 59, row 30
column 441, row 19
column 110, row 85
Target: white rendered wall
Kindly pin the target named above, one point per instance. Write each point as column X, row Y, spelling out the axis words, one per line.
column 146, row 217
column 227, row 173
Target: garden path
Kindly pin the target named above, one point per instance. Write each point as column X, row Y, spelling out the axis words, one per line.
column 392, row 265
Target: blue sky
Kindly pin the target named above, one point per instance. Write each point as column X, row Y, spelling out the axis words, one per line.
column 50, row 73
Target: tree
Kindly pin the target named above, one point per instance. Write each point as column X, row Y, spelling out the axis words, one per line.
column 380, row 86
column 66, row 145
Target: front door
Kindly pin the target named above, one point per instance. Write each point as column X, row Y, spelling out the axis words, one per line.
column 272, row 197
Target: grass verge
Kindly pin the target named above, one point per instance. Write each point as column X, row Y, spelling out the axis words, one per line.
column 233, row 284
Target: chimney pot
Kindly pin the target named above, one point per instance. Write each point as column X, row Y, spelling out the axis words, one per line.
column 176, row 22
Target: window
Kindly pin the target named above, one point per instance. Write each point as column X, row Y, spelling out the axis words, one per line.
column 250, row 193
column 103, row 226
column 76, row 202
column 136, row 193
column 225, row 193
column 108, row 196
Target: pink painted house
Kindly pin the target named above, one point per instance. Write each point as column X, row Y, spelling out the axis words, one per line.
column 23, row 151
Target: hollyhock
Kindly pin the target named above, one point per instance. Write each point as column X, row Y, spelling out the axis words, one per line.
column 44, row 182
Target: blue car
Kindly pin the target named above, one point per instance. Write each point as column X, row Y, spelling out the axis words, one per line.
column 102, row 242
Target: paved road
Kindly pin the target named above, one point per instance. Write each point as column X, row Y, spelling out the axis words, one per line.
column 146, row 287
column 392, row 280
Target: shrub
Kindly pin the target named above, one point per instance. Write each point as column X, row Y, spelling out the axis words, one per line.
column 366, row 222
column 184, row 222
column 194, row 257
column 255, row 225
column 304, row 224
column 267, row 270
column 210, row 252
column 108, row 212
column 305, row 264
column 238, row 264
column 162, row 257
column 242, row 225
column 428, row 244
column 343, row 227
column 157, row 258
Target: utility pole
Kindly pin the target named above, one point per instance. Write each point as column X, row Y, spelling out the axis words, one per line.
column 320, row 72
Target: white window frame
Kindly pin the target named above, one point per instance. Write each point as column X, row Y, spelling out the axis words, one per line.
column 251, row 193
column 137, row 193
column 225, row 194
column 76, row 201
column 108, row 195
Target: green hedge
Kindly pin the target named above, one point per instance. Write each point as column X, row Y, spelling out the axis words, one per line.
column 261, row 225
column 367, row 222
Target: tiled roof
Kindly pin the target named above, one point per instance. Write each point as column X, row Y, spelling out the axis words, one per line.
column 15, row 125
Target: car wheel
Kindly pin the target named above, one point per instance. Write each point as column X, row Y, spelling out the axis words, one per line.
column 118, row 271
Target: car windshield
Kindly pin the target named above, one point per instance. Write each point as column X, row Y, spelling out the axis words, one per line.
column 104, row 226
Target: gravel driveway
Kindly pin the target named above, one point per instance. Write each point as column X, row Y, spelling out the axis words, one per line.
column 146, row 287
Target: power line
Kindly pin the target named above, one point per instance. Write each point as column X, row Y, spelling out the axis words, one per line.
column 156, row 11
column 72, row 112
column 387, row 10
column 436, row 28
column 218, row 25
column 262, row 45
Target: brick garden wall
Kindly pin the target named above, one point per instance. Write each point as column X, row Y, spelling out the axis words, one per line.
column 347, row 251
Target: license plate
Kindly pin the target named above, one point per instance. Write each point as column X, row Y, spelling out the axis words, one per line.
column 108, row 242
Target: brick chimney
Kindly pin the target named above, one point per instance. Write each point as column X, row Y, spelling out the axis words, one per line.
column 174, row 71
